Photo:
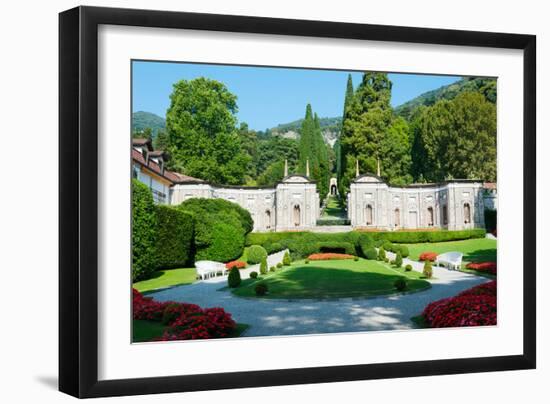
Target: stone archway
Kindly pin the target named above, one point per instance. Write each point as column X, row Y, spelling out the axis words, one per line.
column 296, row 215
column 467, row 214
column 268, row 219
column 368, row 215
column 333, row 189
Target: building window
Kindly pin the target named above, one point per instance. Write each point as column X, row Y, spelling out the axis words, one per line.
column 467, row 214
column 135, row 171
column 397, row 218
column 430, row 216
column 368, row 215
column 296, row 215
column 268, row 219
column 444, row 212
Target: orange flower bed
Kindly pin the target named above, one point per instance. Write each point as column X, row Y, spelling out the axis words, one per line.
column 238, row 264
column 329, row 256
column 428, row 256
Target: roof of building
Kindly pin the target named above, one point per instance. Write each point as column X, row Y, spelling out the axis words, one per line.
column 372, row 178
column 490, row 185
column 143, row 142
column 172, row 176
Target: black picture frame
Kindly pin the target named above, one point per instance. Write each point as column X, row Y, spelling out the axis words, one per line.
column 78, row 201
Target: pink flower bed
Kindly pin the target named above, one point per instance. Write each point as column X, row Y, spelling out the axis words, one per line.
column 489, row 267
column 474, row 307
column 184, row 320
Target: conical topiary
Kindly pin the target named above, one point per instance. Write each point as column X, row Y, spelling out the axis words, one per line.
column 427, row 271
column 263, row 266
column 286, row 259
column 234, row 278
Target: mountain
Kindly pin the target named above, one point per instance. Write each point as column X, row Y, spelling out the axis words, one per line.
column 484, row 86
column 330, row 129
column 142, row 120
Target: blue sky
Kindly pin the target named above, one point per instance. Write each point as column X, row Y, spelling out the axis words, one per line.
column 268, row 96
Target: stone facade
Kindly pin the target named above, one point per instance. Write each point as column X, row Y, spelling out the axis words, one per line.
column 453, row 205
column 292, row 205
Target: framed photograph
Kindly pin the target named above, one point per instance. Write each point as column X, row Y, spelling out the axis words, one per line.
column 251, row 201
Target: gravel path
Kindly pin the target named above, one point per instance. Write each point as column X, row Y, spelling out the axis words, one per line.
column 284, row 317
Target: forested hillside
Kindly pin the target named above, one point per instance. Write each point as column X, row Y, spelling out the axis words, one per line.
column 484, row 86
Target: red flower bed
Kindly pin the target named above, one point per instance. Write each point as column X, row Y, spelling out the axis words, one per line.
column 473, row 307
column 185, row 320
column 489, row 267
column 428, row 256
column 329, row 256
column 238, row 264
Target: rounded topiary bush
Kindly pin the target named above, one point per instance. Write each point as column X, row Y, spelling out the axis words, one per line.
column 261, row 289
column 404, row 251
column 306, row 261
column 356, row 259
column 234, row 278
column 279, row 265
column 253, row 274
column 272, row 269
column 144, row 232
column 371, row 253
column 263, row 266
column 400, row 284
column 427, row 271
column 255, row 254
column 408, row 267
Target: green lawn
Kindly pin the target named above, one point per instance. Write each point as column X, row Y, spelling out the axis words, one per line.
column 145, row 330
column 334, row 209
column 166, row 278
column 333, row 279
column 474, row 250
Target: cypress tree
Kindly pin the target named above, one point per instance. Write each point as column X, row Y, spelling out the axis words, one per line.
column 338, row 146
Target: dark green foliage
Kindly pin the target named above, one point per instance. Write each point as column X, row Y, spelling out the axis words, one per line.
column 356, row 258
column 234, row 278
column 202, row 136
column 342, row 247
column 400, row 284
column 312, row 149
column 253, row 274
column 220, row 228
column 382, row 254
column 427, row 271
column 306, row 261
column 144, row 232
column 274, row 150
column 255, row 254
column 398, row 260
column 388, row 246
column 490, row 220
column 260, row 289
column 286, row 259
column 174, row 237
column 455, row 139
column 408, row 267
column 280, row 264
column 263, row 266
column 272, row 269
column 404, row 251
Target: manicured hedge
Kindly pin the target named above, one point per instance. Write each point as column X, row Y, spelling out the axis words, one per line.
column 400, row 237
column 220, row 228
column 174, row 237
column 144, row 235
column 408, row 237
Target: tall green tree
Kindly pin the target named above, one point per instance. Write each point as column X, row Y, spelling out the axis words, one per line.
column 337, row 146
column 395, row 147
column 455, row 139
column 312, row 148
column 367, row 122
column 202, row 138
column 160, row 142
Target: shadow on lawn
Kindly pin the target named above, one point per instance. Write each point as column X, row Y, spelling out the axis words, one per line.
column 489, row 254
